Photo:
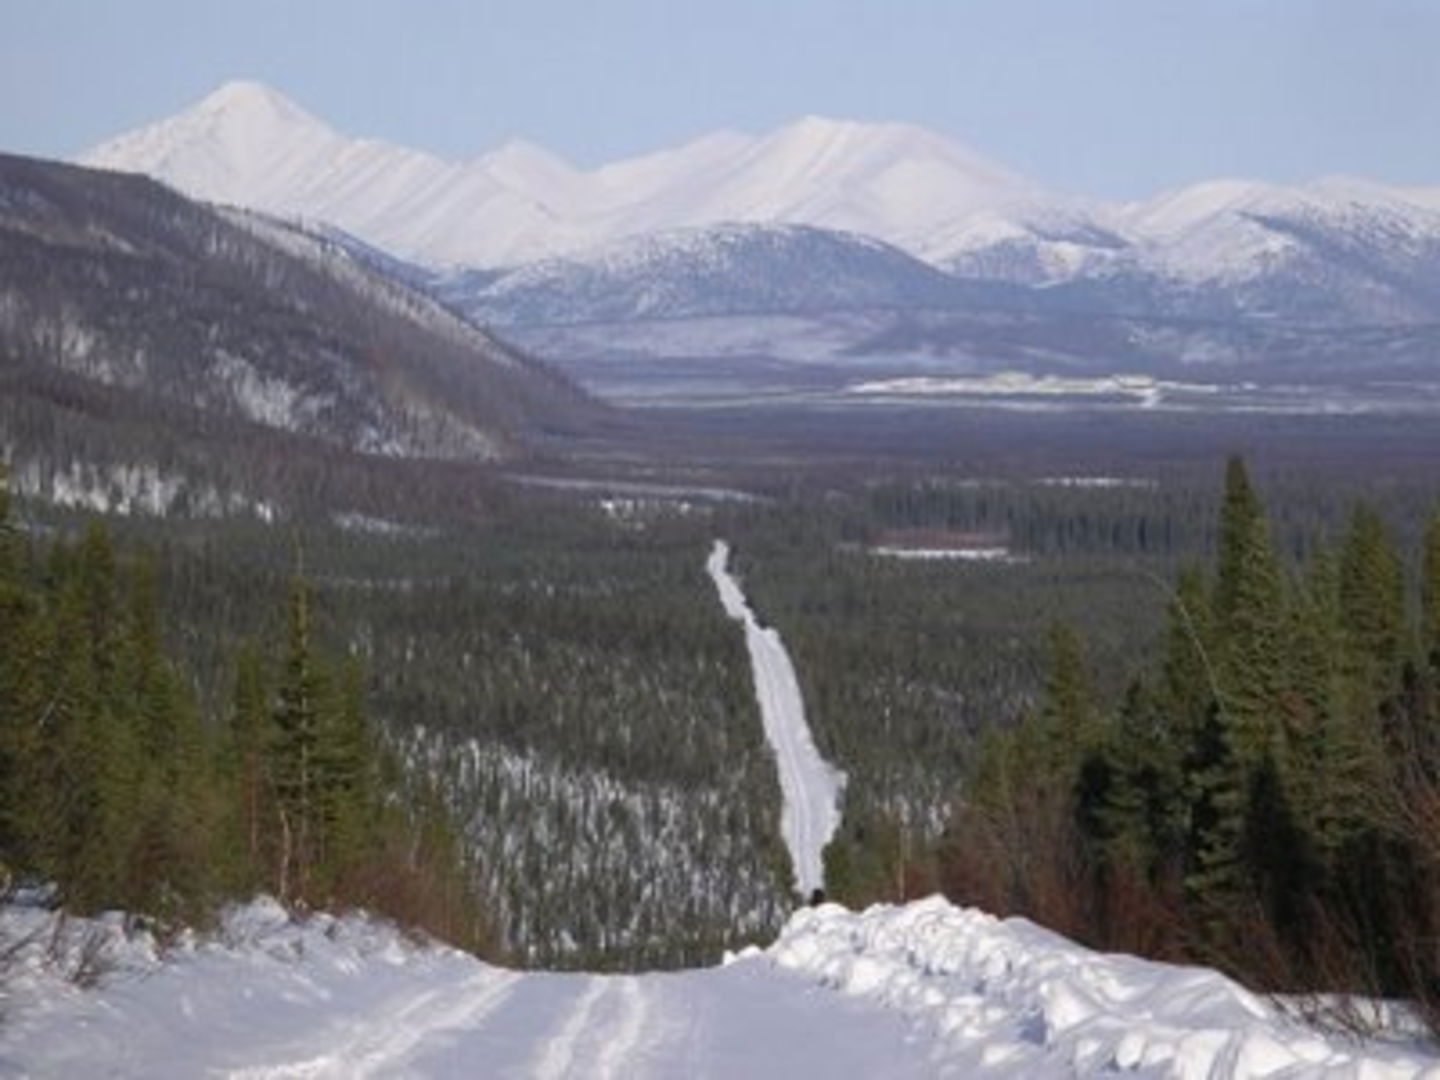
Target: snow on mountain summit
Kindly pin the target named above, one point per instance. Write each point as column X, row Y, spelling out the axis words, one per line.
column 246, row 144
column 1337, row 248
column 895, row 182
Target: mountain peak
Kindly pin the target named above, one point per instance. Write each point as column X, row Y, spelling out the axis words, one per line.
column 243, row 94
column 252, row 106
column 249, row 145
column 521, row 157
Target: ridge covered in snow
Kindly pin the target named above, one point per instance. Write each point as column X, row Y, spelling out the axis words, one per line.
column 922, row 990
column 1336, row 250
column 246, row 144
column 687, row 273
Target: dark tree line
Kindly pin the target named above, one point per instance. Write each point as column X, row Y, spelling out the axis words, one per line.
column 1264, row 796
column 566, row 684
column 120, row 790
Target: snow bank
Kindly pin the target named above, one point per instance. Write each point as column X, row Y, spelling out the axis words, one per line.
column 901, row 993
column 263, row 986
column 1009, row 998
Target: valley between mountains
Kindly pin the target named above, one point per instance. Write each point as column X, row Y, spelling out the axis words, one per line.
column 804, row 602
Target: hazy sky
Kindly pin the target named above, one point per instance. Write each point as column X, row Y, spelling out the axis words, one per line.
column 1113, row 98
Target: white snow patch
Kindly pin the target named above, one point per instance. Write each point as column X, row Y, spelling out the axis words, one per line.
column 923, row 990
column 356, row 522
column 1101, row 482
column 134, row 489
column 1143, row 389
column 974, row 554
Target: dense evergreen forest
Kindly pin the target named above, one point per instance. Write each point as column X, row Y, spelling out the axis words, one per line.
column 562, row 685
column 1263, row 794
column 119, row 793
column 555, row 695
column 1237, row 767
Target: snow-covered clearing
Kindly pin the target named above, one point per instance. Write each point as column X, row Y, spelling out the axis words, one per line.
column 925, row 990
column 809, row 785
column 957, row 554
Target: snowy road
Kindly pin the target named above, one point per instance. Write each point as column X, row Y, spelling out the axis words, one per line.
column 810, row 786
column 925, row 990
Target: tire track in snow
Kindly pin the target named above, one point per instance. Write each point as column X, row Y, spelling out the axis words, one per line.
column 620, row 1056
column 602, row 1037
column 557, row 1058
column 809, row 785
column 387, row 1039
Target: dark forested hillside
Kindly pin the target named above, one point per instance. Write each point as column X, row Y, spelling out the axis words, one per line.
column 142, row 331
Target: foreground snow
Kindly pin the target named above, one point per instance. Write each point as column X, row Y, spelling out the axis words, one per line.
column 924, row 990
column 809, row 785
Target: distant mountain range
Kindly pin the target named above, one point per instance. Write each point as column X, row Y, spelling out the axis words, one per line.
column 647, row 236
column 247, row 145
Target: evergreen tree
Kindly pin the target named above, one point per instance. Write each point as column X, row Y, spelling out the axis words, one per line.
column 246, row 761
column 1188, row 680
column 1068, row 710
column 1430, row 594
column 1249, row 610
column 21, row 697
column 171, row 867
column 1280, row 866
column 1322, row 756
column 1242, row 527
column 1143, row 815
column 1372, row 610
column 294, row 752
column 348, row 776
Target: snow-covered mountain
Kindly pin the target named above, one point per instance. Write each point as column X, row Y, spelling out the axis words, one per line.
column 248, row 145
column 1332, row 252
column 523, row 236
column 1037, row 242
column 722, row 270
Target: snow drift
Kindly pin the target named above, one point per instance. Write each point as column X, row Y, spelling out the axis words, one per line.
column 923, row 990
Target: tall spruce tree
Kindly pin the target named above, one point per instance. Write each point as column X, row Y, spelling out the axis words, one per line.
column 253, row 813
column 1372, row 609
column 348, row 776
column 20, row 703
column 294, row 766
column 1188, row 684
column 1069, row 713
column 1430, row 594
column 1249, row 607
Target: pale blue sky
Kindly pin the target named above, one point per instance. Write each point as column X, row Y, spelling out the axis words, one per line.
column 1112, row 98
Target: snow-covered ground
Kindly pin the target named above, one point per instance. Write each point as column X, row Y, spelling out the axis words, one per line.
column 809, row 785
column 925, row 990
